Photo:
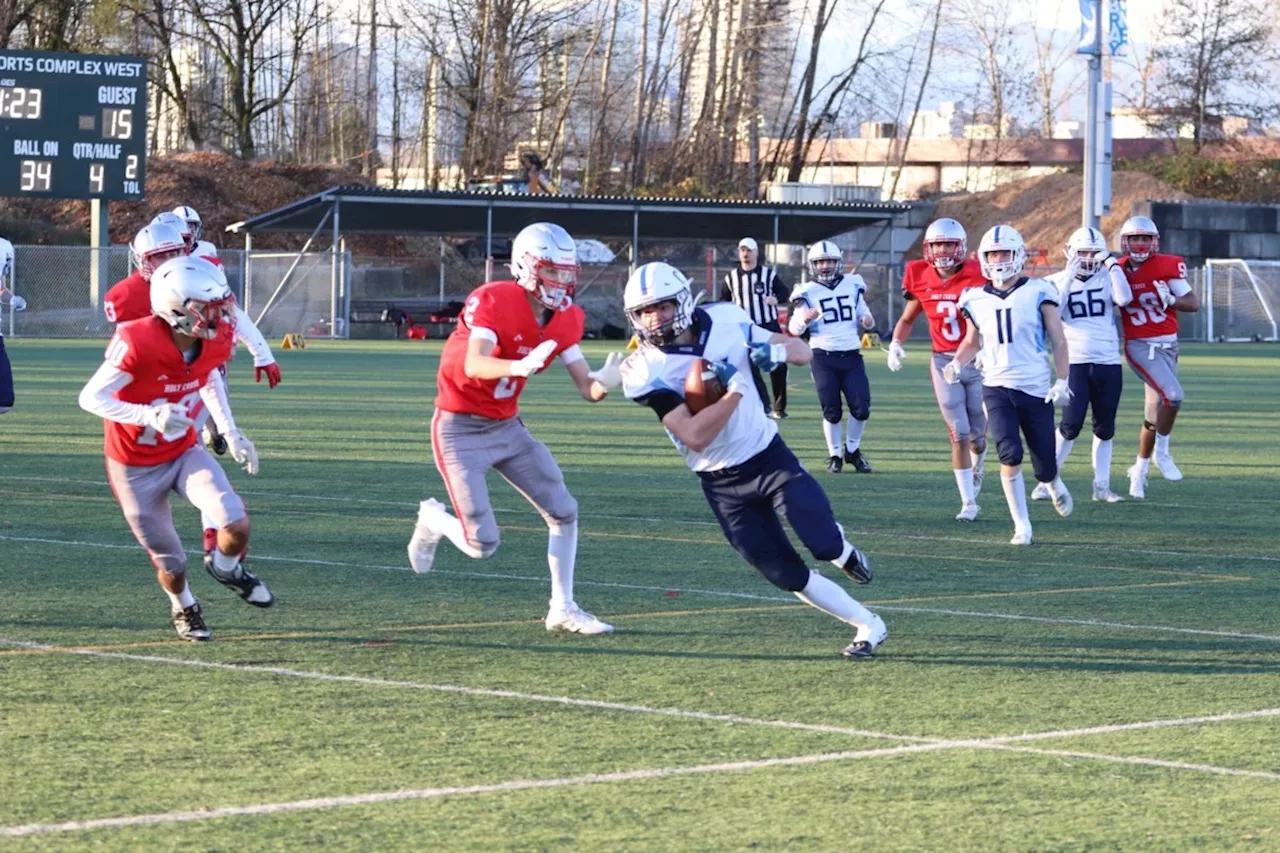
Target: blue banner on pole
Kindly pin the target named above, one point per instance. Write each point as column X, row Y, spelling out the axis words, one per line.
column 1118, row 29
column 1088, row 23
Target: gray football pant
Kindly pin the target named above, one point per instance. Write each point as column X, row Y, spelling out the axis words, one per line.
column 961, row 404
column 143, row 493
column 1157, row 366
column 467, row 446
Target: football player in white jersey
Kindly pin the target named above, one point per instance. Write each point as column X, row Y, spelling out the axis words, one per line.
column 749, row 476
column 14, row 302
column 1089, row 290
column 1009, row 320
column 831, row 308
column 200, row 248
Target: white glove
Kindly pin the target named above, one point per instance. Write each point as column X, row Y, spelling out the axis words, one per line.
column 1166, row 295
column 800, row 320
column 1059, row 394
column 534, row 361
column 609, row 375
column 951, row 373
column 868, row 321
column 17, row 303
column 243, row 451
column 169, row 419
column 1111, row 262
column 897, row 355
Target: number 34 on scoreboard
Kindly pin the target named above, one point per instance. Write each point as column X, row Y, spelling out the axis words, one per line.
column 92, row 145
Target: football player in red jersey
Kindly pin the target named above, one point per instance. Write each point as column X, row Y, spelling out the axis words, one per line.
column 158, row 372
column 508, row 331
column 1160, row 291
column 932, row 287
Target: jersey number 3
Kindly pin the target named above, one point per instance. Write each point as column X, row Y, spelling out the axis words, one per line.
column 950, row 323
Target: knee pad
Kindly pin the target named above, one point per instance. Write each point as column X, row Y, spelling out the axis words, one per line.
column 1069, row 431
column 477, row 550
column 832, row 414
column 1170, row 403
column 1104, row 432
column 566, row 514
column 862, row 412
column 792, row 578
column 170, row 564
column 1009, row 453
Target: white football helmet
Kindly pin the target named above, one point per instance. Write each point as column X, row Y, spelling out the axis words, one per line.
column 6, row 262
column 945, row 244
column 154, row 245
column 544, row 261
column 1086, row 250
column 826, row 261
column 193, row 221
column 178, row 224
column 653, row 284
column 191, row 295
column 1002, row 238
column 1137, row 226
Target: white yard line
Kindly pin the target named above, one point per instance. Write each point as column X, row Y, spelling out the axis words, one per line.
column 1006, row 743
column 936, row 611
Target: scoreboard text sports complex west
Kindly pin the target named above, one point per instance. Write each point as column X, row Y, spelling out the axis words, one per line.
column 72, row 125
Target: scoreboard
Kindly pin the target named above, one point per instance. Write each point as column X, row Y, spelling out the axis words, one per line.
column 72, row 125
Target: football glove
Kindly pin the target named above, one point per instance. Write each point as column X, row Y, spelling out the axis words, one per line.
column 951, row 373
column 17, row 303
column 534, row 361
column 1166, row 295
column 767, row 357
column 169, row 419
column 897, row 355
column 1059, row 394
column 868, row 321
column 243, row 451
column 737, row 382
column 271, row 371
column 610, row 373
column 1111, row 262
column 724, row 371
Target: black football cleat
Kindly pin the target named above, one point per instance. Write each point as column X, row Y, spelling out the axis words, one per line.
column 242, row 582
column 858, row 461
column 834, row 465
column 855, row 651
column 190, row 624
column 858, row 567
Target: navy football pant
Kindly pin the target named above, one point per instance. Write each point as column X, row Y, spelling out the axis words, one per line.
column 750, row 500
column 1013, row 414
column 841, row 373
column 6, row 380
column 1096, row 387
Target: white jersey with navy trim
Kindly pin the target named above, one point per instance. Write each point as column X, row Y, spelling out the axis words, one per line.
column 723, row 331
column 1088, row 314
column 842, row 303
column 1012, row 330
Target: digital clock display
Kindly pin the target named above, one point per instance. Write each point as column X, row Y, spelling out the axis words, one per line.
column 21, row 102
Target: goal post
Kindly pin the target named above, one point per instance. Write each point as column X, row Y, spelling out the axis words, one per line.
column 1242, row 299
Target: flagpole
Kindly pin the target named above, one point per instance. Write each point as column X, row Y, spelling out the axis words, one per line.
column 1089, row 216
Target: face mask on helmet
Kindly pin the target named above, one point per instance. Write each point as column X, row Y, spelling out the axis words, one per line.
column 1139, row 247
column 551, row 284
column 206, row 318
column 944, row 254
column 660, row 323
column 1084, row 262
column 824, row 270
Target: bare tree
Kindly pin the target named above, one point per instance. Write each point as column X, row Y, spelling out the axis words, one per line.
column 1053, row 56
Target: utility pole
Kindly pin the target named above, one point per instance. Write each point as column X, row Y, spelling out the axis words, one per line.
column 1097, row 129
column 371, row 104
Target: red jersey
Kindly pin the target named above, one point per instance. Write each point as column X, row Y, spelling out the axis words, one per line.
column 503, row 308
column 1145, row 316
column 128, row 299
column 145, row 350
column 938, row 296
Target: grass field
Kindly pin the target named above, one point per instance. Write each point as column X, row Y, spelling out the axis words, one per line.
column 1114, row 687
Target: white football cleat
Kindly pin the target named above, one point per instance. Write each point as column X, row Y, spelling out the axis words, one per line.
column 422, row 547
column 1041, row 492
column 866, row 639
column 1062, row 501
column 1021, row 537
column 969, row 512
column 1103, row 494
column 1167, row 469
column 574, row 620
column 1137, row 483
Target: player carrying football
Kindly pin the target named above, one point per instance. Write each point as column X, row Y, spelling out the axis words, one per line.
column 159, row 371
column 830, row 308
column 1089, row 290
column 1009, row 319
column 749, row 476
column 508, row 331
column 1160, row 291
column 933, row 287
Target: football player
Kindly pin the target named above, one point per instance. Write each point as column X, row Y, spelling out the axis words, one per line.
column 1089, row 290
column 508, row 331
column 179, row 224
column 1160, row 291
column 830, row 308
column 749, row 476
column 13, row 302
column 130, row 299
column 932, row 287
column 199, row 248
column 158, row 371
column 1009, row 319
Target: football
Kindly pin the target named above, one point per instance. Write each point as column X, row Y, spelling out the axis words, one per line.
column 702, row 386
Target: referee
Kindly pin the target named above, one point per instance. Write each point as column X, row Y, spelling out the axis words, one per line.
column 758, row 291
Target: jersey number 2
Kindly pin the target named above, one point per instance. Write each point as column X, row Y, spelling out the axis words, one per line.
column 505, row 388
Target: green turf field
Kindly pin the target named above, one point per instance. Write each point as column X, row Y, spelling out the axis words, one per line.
column 1013, row 707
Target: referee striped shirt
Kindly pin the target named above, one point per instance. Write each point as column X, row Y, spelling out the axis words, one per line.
column 748, row 289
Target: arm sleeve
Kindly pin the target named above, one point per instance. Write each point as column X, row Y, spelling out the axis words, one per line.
column 214, row 394
column 572, row 354
column 253, row 340
column 662, row 402
column 1121, row 292
column 1179, row 286
column 98, row 397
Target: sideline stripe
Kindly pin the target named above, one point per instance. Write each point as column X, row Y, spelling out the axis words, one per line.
column 1095, row 623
